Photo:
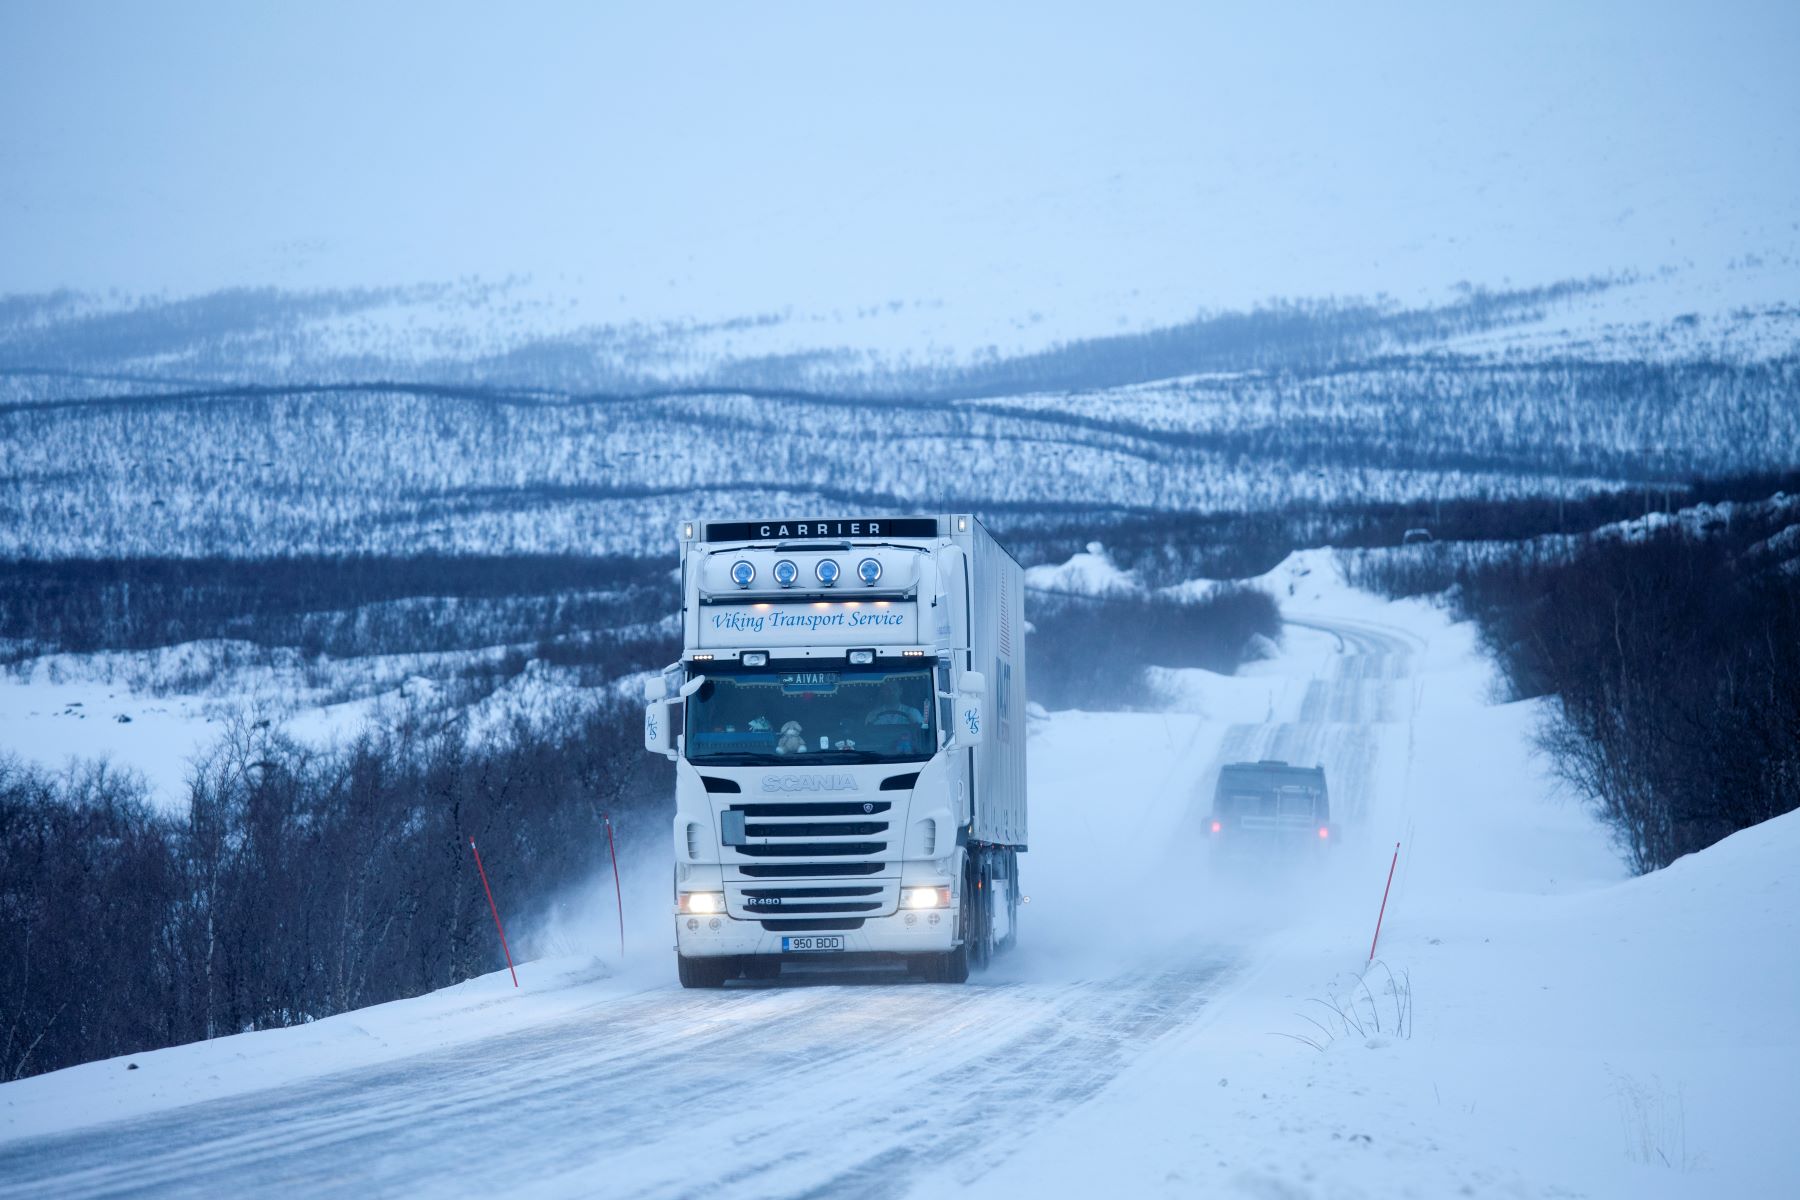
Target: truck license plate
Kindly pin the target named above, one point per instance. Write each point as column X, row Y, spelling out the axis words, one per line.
column 813, row 942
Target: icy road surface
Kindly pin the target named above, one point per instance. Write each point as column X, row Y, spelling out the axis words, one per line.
column 1145, row 1038
column 829, row 1083
column 841, row 1089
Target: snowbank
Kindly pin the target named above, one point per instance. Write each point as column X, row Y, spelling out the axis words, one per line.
column 1090, row 573
column 1536, row 1023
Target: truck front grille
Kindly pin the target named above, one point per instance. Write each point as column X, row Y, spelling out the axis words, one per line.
column 823, row 808
column 813, row 850
column 818, row 829
column 806, row 829
column 807, row 870
column 790, row 858
column 797, row 900
column 812, row 899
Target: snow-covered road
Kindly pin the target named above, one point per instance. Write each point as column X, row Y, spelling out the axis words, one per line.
column 1150, row 1036
column 827, row 1083
column 841, row 1088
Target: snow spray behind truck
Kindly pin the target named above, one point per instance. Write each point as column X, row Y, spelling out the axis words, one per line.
column 847, row 723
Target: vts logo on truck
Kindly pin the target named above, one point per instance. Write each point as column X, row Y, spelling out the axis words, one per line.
column 809, row 783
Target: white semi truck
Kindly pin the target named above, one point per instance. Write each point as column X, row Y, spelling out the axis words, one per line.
column 847, row 723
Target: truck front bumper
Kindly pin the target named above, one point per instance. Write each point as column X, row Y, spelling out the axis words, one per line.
column 919, row 931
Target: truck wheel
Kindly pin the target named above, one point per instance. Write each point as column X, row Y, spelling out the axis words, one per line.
column 1012, row 901
column 702, row 972
column 978, row 936
column 951, row 967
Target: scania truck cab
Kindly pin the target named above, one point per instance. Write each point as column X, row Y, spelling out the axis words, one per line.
column 847, row 723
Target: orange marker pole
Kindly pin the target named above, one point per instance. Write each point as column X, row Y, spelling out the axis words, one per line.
column 491, row 908
column 1384, row 898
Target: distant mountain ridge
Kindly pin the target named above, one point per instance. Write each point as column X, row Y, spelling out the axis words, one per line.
column 263, row 423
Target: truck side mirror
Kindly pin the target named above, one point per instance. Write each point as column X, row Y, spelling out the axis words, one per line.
column 659, row 728
column 971, row 704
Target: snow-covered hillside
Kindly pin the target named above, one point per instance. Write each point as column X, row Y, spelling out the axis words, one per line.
column 394, row 469
column 1536, row 1024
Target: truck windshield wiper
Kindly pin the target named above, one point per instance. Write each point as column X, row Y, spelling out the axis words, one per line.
column 869, row 756
column 741, row 758
column 815, row 757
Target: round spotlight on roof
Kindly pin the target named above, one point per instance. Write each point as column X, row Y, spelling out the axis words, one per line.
column 742, row 572
column 869, row 570
column 786, row 572
column 828, row 571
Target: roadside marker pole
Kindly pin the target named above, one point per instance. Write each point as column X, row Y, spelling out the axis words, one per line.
column 1384, row 896
column 618, row 893
column 496, row 912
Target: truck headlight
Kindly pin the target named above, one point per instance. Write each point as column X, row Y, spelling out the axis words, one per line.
column 702, row 902
column 925, row 897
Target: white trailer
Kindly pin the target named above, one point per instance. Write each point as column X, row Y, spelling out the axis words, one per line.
column 847, row 723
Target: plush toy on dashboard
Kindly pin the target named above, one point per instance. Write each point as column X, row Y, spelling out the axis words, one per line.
column 790, row 741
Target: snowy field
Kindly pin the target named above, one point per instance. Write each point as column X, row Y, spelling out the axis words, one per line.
column 1535, row 1024
column 149, row 711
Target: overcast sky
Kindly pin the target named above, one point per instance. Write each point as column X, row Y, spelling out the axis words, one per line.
column 713, row 160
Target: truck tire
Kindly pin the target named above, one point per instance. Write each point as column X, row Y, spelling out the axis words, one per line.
column 702, row 972
column 950, row 967
column 978, row 936
column 1012, row 902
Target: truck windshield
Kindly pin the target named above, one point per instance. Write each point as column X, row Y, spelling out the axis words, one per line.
column 764, row 716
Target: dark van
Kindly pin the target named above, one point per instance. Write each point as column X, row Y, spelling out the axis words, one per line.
column 1269, row 805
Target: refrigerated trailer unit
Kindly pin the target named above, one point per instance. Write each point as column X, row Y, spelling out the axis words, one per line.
column 847, row 724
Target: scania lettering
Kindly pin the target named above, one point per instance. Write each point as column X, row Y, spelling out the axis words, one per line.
column 847, row 724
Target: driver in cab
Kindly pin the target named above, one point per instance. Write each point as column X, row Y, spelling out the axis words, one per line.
column 892, row 711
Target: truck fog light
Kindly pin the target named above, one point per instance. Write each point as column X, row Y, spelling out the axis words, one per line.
column 756, row 658
column 742, row 573
column 702, row 902
column 861, row 658
column 869, row 570
column 786, row 572
column 713, row 924
column 925, row 897
column 827, row 570
column 932, row 919
column 912, row 918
